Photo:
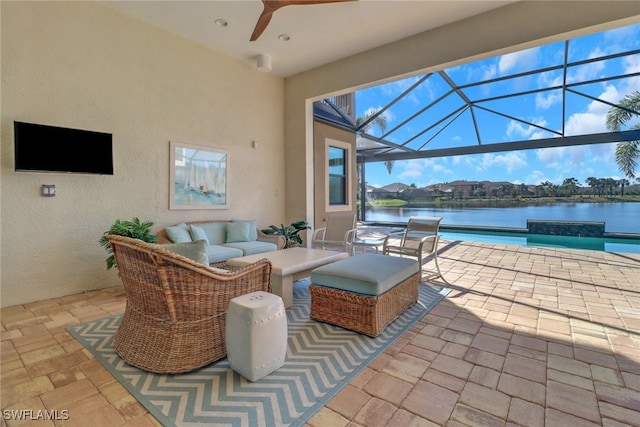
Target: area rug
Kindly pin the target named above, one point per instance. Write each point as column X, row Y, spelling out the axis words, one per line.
column 321, row 360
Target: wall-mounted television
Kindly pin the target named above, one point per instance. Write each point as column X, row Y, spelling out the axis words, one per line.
column 44, row 148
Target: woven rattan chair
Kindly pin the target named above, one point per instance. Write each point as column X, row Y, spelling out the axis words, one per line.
column 419, row 240
column 176, row 308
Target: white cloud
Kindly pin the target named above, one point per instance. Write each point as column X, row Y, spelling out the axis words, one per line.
column 523, row 60
column 419, row 168
column 518, row 130
column 535, row 177
column 551, row 157
column 510, row 161
column 594, row 119
column 545, row 100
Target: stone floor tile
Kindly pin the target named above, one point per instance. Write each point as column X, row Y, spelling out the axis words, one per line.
column 31, row 387
column 430, row 401
column 64, row 396
column 623, row 416
column 525, row 367
column 607, row 375
column 619, row 396
column 406, row 367
column 348, row 401
column 484, row 376
column 491, row 344
column 444, row 380
column 376, row 412
column 452, row 366
column 327, row 418
column 631, row 381
column 387, row 387
column 573, row 400
column 407, row 419
column 524, row 389
column 569, row 365
column 485, row 358
column 570, row 379
column 527, row 414
column 486, row 400
column 555, row 418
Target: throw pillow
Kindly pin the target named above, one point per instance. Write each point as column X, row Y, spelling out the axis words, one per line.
column 179, row 233
column 197, row 233
column 253, row 228
column 237, row 232
column 196, row 251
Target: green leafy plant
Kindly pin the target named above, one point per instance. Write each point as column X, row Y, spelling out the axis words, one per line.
column 290, row 232
column 134, row 228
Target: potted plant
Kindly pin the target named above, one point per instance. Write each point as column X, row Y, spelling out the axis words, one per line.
column 290, row 232
column 135, row 229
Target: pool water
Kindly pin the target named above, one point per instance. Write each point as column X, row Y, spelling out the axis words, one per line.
column 606, row 244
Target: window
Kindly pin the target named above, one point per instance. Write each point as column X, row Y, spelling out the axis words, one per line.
column 338, row 176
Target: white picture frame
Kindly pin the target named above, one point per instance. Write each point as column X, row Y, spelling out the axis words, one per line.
column 197, row 177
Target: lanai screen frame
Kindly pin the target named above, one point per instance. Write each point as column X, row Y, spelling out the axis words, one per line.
column 380, row 148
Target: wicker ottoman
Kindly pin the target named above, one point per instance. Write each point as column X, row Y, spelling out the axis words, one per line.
column 364, row 293
column 256, row 334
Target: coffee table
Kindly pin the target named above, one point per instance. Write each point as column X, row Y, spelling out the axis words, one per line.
column 288, row 265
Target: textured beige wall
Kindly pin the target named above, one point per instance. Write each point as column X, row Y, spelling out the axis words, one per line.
column 516, row 26
column 321, row 133
column 83, row 65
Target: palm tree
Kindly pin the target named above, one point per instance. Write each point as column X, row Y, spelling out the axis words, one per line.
column 570, row 186
column 627, row 152
column 378, row 120
column 592, row 182
column 622, row 183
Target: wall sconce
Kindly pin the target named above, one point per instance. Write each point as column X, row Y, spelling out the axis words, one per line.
column 48, row 190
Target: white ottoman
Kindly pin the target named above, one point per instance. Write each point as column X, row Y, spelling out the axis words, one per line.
column 256, row 334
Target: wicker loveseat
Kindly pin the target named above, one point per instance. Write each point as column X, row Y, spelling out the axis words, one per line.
column 176, row 307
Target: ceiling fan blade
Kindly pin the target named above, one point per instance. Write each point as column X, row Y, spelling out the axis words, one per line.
column 303, row 2
column 262, row 23
column 271, row 6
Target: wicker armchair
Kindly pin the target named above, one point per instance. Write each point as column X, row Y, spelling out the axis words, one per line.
column 176, row 308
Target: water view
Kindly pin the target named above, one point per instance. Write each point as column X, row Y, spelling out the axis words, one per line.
column 619, row 217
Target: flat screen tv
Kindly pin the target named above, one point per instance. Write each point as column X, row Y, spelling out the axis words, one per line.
column 44, row 148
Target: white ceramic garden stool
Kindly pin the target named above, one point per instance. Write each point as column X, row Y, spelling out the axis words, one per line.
column 256, row 334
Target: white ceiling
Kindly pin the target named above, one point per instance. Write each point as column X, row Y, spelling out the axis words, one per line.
column 320, row 33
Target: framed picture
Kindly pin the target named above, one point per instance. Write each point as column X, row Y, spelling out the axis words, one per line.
column 198, row 177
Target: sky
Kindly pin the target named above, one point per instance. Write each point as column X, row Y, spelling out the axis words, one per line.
column 540, row 115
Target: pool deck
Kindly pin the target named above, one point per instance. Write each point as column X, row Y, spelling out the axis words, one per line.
column 528, row 336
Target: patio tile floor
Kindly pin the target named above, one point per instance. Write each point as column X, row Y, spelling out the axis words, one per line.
column 528, row 336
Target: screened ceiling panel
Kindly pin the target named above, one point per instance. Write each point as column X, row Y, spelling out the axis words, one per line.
column 518, row 101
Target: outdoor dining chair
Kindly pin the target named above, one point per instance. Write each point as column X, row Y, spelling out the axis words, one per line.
column 338, row 232
column 419, row 240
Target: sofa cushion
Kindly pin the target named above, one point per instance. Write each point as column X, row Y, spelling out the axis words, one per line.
column 196, row 251
column 197, row 233
column 253, row 228
column 220, row 253
column 237, row 232
column 368, row 274
column 179, row 233
column 254, row 247
column 216, row 231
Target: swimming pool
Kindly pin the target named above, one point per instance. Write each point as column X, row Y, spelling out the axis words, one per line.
column 606, row 244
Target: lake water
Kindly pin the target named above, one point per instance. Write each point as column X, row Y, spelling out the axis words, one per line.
column 618, row 217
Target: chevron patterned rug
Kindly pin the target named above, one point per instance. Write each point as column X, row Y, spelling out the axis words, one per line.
column 321, row 360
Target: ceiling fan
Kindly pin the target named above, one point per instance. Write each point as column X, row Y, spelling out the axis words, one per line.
column 270, row 6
